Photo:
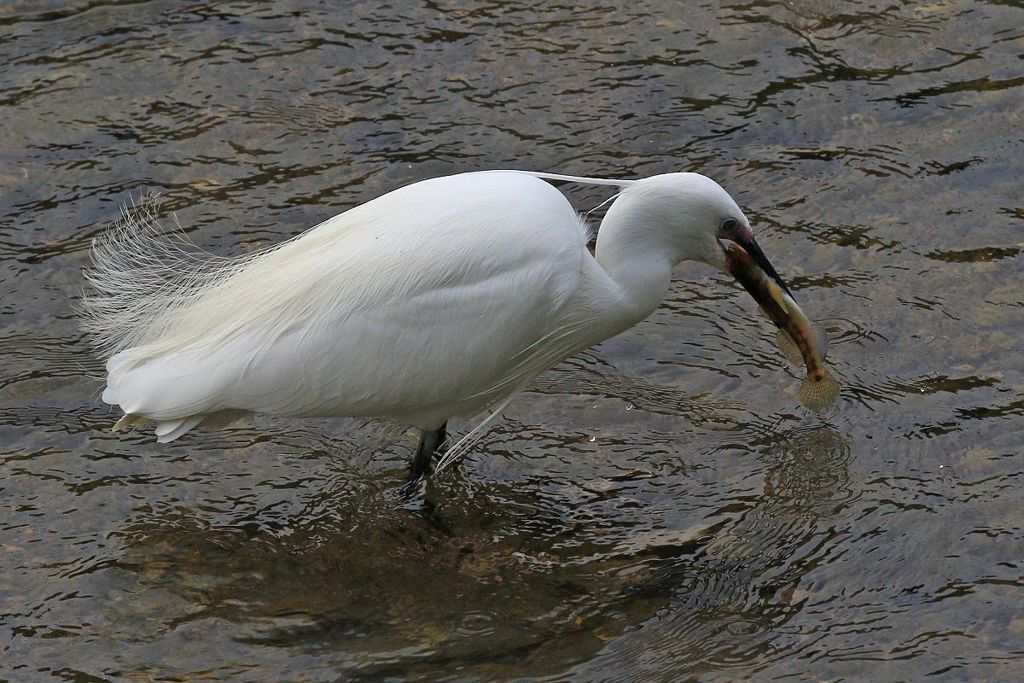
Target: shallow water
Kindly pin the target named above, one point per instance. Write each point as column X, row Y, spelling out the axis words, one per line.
column 658, row 507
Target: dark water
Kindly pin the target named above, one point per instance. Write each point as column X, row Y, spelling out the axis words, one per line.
column 658, row 508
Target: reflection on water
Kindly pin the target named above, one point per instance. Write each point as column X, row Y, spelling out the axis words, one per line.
column 730, row 599
column 657, row 508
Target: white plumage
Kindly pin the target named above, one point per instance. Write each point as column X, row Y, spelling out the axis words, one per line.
column 435, row 300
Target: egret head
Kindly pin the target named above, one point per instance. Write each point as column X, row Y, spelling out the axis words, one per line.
column 689, row 217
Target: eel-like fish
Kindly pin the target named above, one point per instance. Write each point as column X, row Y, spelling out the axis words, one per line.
column 819, row 389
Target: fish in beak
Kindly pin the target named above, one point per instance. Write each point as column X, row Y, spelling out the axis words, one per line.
column 745, row 240
column 747, row 263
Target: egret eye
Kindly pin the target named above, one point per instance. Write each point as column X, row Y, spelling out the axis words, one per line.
column 729, row 226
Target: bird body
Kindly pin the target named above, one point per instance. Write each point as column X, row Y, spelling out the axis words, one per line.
column 399, row 308
column 434, row 300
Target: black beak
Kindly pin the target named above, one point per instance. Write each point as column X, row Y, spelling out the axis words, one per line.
column 750, row 246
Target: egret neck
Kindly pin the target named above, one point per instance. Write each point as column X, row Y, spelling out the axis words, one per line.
column 637, row 252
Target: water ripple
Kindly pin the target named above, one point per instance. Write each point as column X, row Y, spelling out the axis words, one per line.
column 658, row 507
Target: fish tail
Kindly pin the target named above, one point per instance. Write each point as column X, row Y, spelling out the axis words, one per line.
column 817, row 395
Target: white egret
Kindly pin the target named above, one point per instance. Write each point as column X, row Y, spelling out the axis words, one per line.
column 435, row 300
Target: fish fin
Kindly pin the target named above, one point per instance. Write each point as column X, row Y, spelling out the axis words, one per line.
column 780, row 297
column 822, row 337
column 788, row 347
column 791, row 351
column 818, row 395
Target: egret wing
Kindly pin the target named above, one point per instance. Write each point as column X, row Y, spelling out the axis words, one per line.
column 416, row 306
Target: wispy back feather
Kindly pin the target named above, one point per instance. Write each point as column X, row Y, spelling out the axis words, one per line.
column 145, row 276
column 152, row 286
column 140, row 271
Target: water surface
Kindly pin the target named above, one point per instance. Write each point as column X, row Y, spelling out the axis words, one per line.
column 657, row 508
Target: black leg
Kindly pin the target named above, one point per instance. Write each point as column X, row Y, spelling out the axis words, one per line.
column 442, row 436
column 431, row 444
